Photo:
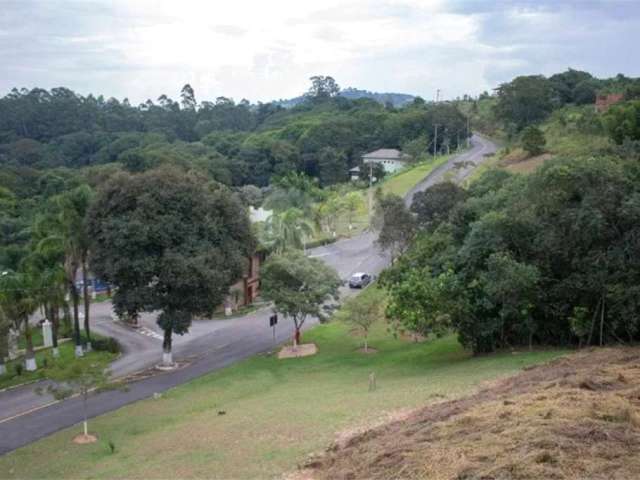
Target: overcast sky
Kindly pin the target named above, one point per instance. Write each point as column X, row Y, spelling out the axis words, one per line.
column 267, row 49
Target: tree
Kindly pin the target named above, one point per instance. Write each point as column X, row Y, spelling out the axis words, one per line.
column 376, row 170
column 524, row 101
column 188, row 98
column 322, row 88
column 286, row 230
column 511, row 287
column 332, row 165
column 622, row 121
column 533, row 140
column 169, row 242
column 433, row 205
column 69, row 234
column 251, row 195
column 353, row 202
column 396, row 225
column 299, row 286
column 362, row 312
column 82, row 378
column 18, row 302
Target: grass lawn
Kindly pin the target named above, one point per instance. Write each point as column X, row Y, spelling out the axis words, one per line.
column 277, row 411
column 405, row 180
column 46, row 364
column 398, row 184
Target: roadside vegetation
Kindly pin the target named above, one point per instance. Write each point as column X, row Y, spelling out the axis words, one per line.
column 264, row 416
column 58, row 368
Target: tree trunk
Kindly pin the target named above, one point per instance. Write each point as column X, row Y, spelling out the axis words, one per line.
column 30, row 357
column 366, row 346
column 76, row 320
column 602, row 320
column 167, row 356
column 55, row 326
column 593, row 322
column 85, row 424
column 87, row 303
column 4, row 350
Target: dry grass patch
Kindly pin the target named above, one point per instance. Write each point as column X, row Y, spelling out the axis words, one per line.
column 576, row 417
column 303, row 350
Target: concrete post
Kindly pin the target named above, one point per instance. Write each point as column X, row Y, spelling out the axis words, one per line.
column 13, row 344
column 47, row 333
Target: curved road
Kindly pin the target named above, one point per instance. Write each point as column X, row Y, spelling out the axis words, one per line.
column 210, row 345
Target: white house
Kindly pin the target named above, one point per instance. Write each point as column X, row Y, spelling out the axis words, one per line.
column 391, row 159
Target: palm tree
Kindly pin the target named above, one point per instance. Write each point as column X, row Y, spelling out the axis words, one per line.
column 286, row 230
column 5, row 325
column 67, row 232
column 18, row 302
column 49, row 276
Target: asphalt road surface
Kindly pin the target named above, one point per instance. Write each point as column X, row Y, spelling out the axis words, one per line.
column 210, row 344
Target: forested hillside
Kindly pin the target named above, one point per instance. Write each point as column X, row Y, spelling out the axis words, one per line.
column 54, row 141
column 549, row 257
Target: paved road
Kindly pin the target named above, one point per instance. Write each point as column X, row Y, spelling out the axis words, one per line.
column 210, row 345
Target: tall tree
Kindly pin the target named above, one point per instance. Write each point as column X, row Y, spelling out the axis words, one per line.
column 396, row 225
column 323, row 87
column 69, row 234
column 169, row 242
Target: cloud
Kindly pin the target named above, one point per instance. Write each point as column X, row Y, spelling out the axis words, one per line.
column 264, row 50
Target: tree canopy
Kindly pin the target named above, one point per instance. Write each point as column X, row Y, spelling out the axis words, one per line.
column 170, row 242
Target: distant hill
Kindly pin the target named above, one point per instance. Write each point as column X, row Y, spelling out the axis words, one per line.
column 396, row 99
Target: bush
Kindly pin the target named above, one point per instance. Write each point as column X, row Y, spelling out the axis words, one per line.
column 110, row 345
column 19, row 368
column 533, row 140
column 321, row 242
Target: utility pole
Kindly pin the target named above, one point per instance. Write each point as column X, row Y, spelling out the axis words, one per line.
column 467, row 131
column 370, row 189
column 435, row 140
column 437, row 95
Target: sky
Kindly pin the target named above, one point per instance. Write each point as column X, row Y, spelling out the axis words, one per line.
column 267, row 49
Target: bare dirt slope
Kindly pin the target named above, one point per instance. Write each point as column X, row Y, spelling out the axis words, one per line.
column 577, row 417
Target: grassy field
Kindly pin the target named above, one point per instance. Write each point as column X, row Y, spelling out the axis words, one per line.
column 401, row 183
column 277, row 412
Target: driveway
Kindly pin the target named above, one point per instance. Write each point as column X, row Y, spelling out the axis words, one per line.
column 210, row 344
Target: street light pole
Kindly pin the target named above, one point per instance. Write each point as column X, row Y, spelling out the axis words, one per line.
column 370, row 189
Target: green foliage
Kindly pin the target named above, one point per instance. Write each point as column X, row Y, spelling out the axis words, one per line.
column 533, row 140
column 169, row 242
column 433, row 205
column 524, row 101
column 286, row 230
column 299, row 286
column 362, row 312
column 623, row 121
column 517, row 261
column 395, row 223
column 332, row 166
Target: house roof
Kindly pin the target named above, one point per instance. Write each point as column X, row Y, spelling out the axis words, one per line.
column 385, row 154
column 354, row 169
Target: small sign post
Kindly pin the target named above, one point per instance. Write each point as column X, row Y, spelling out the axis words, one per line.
column 273, row 321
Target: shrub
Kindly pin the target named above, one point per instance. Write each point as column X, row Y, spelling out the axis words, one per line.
column 110, row 345
column 533, row 140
